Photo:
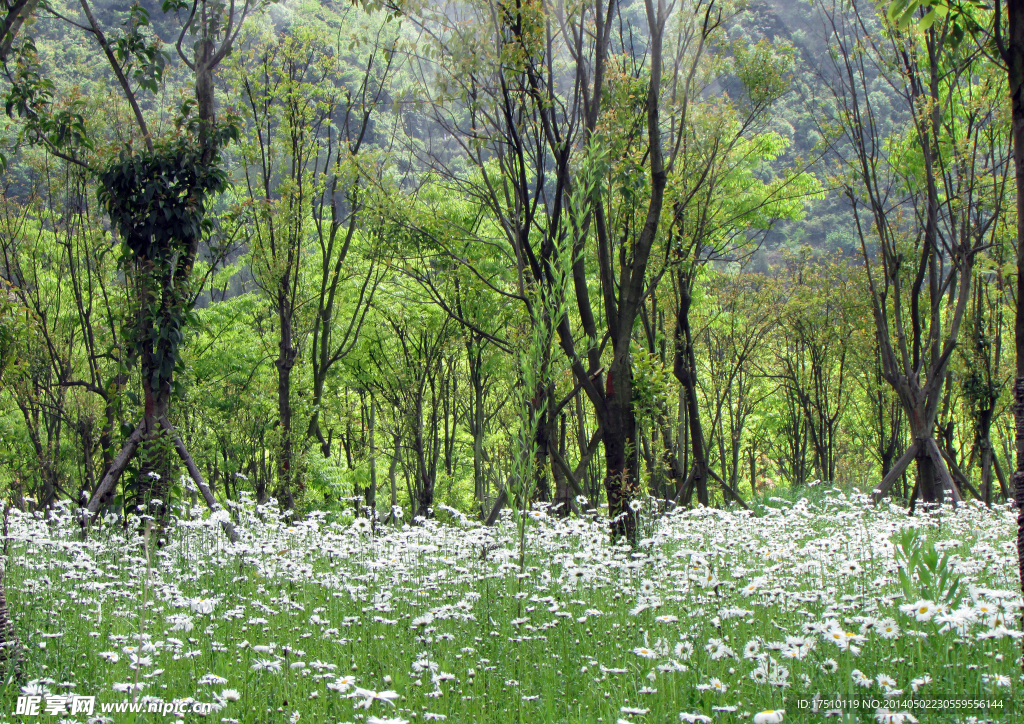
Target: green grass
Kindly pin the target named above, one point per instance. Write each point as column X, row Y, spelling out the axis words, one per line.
column 443, row 617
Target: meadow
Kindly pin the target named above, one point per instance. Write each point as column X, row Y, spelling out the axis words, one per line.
column 801, row 611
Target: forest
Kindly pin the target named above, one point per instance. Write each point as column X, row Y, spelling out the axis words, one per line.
column 412, row 268
column 340, row 309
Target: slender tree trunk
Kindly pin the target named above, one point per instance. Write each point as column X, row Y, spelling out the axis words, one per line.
column 313, row 430
column 285, row 362
column 669, row 457
column 734, row 475
column 477, row 420
column 371, row 492
column 393, row 477
column 424, row 500
column 88, row 482
column 986, row 474
column 683, row 437
column 752, row 463
column 261, row 479
column 562, row 493
column 544, row 436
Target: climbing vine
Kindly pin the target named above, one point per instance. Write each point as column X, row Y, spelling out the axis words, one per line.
column 158, row 201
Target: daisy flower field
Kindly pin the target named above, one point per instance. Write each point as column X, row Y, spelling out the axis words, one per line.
column 798, row 612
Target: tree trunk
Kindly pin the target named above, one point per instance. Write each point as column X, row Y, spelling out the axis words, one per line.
column 986, row 474
column 544, row 436
column 669, row 457
column 285, row 362
column 983, row 448
column 154, row 472
column 371, row 492
column 205, row 97
column 562, row 492
column 683, row 437
column 752, row 464
column 930, row 493
column 261, row 479
column 477, row 428
column 393, row 477
column 684, row 369
column 620, row 448
column 424, row 499
column 1013, row 56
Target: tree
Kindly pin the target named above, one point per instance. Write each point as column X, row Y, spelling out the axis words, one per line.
column 982, row 381
column 963, row 17
column 736, row 313
column 290, row 97
column 813, row 349
column 919, row 251
column 720, row 205
column 465, row 295
column 157, row 201
column 68, row 383
column 353, row 153
column 493, row 89
column 401, row 361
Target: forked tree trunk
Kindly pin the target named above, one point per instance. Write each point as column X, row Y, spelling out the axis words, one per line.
column 170, row 292
column 684, row 369
column 624, row 291
column 104, row 493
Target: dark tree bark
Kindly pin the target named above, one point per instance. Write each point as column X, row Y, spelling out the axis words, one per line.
column 1011, row 48
column 287, row 355
column 17, row 12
